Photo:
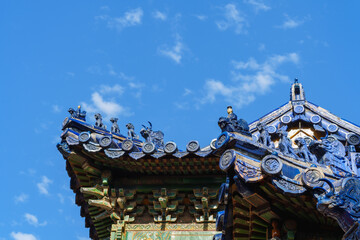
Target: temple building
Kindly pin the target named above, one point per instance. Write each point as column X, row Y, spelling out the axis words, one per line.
column 291, row 174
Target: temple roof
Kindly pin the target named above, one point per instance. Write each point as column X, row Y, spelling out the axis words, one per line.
column 300, row 109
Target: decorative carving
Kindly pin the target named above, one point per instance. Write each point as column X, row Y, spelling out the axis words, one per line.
column 271, row 165
column 298, row 109
column 77, row 113
column 170, row 147
column 98, row 121
column 285, row 145
column 205, row 204
column 311, row 177
column 84, row 137
column 148, row 148
column 287, row 186
column 114, row 153
column 222, row 139
column 156, row 137
column 127, row 145
column 227, row 160
column 193, row 146
column 117, row 204
column 353, row 139
column 232, row 124
column 342, row 204
column 332, row 128
column 304, row 152
column 92, row 147
column 105, row 141
column 131, row 131
column 247, row 171
column 165, row 205
column 331, row 152
column 285, row 119
column 264, row 137
column 114, row 127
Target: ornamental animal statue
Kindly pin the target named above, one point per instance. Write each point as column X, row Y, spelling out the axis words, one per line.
column 341, row 203
column 156, row 137
column 285, row 145
column 304, row 152
column 99, row 122
column 131, row 131
column 331, row 153
column 264, row 137
column 115, row 127
column 232, row 124
column 77, row 113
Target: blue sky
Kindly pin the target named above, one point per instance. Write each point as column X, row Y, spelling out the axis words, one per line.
column 177, row 64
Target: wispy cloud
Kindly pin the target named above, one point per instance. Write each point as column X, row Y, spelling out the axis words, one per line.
column 121, row 75
column 258, row 5
column 261, row 47
column 233, row 19
column 117, row 89
column 187, row 92
column 201, row 17
column 22, row 236
column 33, row 220
column 56, row 108
column 21, row 198
column 43, row 186
column 159, row 15
column 290, row 23
column 175, row 52
column 249, row 79
column 129, row 19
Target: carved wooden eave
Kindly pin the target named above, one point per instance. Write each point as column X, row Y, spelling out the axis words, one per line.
column 297, row 163
column 119, row 182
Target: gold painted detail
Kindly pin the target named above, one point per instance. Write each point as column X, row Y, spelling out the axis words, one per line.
column 171, row 227
column 117, row 204
column 205, row 204
column 166, row 205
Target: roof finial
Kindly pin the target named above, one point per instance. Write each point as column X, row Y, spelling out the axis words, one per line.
column 297, row 92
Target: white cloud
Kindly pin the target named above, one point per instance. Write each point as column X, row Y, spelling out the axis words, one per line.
column 258, row 5
column 187, row 92
column 56, row 108
column 21, row 198
column 129, row 19
column 290, row 23
column 159, row 15
column 33, row 220
column 120, row 75
column 175, row 53
column 22, row 236
column 233, row 18
column 201, row 17
column 43, row 186
column 107, row 106
column 111, row 89
column 61, row 198
column 246, row 86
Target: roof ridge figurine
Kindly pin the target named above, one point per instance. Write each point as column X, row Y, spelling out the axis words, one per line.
column 232, row 124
